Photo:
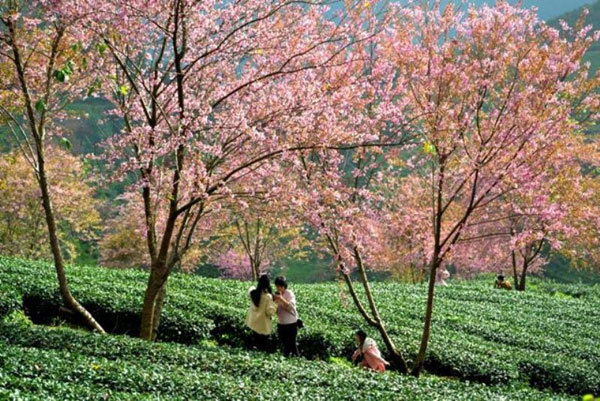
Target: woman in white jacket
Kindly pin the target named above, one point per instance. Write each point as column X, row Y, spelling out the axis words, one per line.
column 261, row 310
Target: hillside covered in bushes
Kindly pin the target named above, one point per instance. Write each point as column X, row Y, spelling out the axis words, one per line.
column 546, row 338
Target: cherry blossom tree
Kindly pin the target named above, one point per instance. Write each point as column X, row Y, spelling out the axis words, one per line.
column 579, row 189
column 583, row 248
column 46, row 63
column 552, row 213
column 510, row 237
column 255, row 240
column 23, row 230
column 494, row 89
column 338, row 191
column 209, row 92
column 337, row 194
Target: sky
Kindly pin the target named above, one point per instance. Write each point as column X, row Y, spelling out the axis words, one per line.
column 547, row 9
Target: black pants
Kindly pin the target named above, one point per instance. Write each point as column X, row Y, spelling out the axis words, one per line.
column 287, row 337
column 260, row 341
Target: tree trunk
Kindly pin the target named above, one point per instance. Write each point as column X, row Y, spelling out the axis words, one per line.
column 374, row 321
column 158, row 307
column 38, row 133
column 435, row 263
column 155, row 283
column 255, row 272
column 160, row 269
column 65, row 292
column 420, row 360
column 521, row 286
column 398, row 359
column 514, row 266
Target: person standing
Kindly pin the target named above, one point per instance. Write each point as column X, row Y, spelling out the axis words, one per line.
column 287, row 326
column 260, row 311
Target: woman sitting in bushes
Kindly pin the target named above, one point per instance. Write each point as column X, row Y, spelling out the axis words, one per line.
column 501, row 283
column 367, row 353
column 261, row 309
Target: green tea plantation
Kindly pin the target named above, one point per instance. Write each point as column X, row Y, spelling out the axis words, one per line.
column 486, row 344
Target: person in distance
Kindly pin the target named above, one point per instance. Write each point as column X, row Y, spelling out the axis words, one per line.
column 501, row 283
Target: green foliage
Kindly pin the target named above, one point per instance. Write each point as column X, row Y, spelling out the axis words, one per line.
column 72, row 365
column 101, row 47
column 62, row 75
column 479, row 334
column 562, row 270
column 340, row 361
column 579, row 378
column 65, row 143
column 309, row 270
column 17, row 317
column 10, row 300
column 40, row 106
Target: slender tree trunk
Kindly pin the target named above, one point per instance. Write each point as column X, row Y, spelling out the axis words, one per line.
column 38, row 134
column 374, row 321
column 157, row 286
column 420, row 360
column 514, row 266
column 65, row 292
column 160, row 268
column 521, row 286
column 435, row 264
column 357, row 301
column 397, row 358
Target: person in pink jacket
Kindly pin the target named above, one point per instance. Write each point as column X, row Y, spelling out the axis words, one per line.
column 367, row 349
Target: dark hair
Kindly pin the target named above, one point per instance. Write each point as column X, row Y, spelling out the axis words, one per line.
column 361, row 336
column 264, row 285
column 500, row 277
column 280, row 281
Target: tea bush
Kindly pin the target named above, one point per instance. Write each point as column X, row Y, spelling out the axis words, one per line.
column 43, row 363
column 478, row 334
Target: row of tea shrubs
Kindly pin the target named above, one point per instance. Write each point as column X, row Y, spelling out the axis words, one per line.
column 479, row 334
column 59, row 363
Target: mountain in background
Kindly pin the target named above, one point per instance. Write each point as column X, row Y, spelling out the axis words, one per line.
column 593, row 18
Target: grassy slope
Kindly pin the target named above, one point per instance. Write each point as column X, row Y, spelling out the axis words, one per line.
column 40, row 363
column 478, row 333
